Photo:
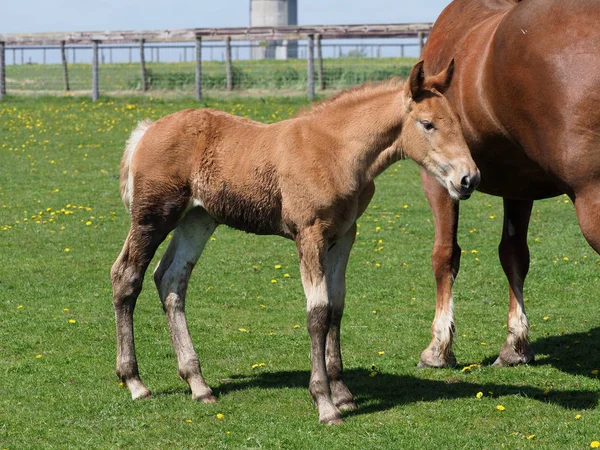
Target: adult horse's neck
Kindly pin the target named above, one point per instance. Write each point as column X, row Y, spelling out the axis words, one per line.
column 365, row 124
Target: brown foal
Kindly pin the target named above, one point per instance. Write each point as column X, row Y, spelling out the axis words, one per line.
column 308, row 178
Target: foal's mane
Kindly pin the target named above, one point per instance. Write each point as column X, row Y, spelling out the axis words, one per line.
column 352, row 95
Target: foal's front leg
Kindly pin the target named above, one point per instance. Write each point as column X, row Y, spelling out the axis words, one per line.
column 336, row 262
column 312, row 250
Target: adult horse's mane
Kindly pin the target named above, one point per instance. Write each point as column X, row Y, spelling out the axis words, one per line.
column 352, row 95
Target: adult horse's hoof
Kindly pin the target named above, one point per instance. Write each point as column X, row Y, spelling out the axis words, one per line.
column 432, row 360
column 509, row 356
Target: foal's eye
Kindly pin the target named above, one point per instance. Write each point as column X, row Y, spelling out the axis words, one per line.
column 427, row 125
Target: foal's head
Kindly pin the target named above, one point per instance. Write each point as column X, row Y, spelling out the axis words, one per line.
column 431, row 133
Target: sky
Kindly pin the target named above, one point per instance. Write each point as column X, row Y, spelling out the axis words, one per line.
column 35, row 16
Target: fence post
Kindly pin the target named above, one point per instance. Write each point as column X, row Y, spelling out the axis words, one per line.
column 421, row 42
column 63, row 56
column 198, row 68
column 228, row 66
column 95, row 87
column 320, row 63
column 143, row 66
column 311, row 67
column 2, row 71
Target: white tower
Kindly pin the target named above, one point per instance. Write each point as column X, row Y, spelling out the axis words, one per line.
column 272, row 13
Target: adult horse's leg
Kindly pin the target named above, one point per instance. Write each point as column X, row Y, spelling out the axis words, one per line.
column 312, row 250
column 335, row 267
column 446, row 263
column 127, row 275
column 587, row 206
column 171, row 278
column 514, row 257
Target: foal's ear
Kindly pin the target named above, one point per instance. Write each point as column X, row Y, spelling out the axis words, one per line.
column 416, row 80
column 441, row 81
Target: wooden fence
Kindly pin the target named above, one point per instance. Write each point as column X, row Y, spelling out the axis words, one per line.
column 312, row 34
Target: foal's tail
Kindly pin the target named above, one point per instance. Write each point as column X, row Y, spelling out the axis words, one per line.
column 125, row 176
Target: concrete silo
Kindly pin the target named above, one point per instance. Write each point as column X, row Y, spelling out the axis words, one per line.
column 273, row 13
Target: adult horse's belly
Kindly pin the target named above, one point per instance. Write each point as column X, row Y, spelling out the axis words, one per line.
column 506, row 171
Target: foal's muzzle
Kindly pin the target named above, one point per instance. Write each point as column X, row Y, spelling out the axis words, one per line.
column 468, row 182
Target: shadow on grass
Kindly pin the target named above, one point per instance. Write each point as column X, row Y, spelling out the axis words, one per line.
column 573, row 353
column 386, row 391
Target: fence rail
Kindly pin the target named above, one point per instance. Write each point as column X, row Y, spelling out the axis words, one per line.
column 265, row 41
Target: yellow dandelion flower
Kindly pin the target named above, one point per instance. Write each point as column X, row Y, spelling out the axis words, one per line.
column 220, row 416
column 479, row 395
column 66, row 309
column 381, row 353
column 373, row 374
column 531, row 436
column 474, row 251
column 20, row 307
column 72, row 321
column 377, row 228
column 565, row 259
column 88, row 223
column 188, row 420
column 287, row 275
column 262, row 306
column 67, row 250
column 578, row 416
column 278, row 266
column 595, row 444
column 405, row 206
column 546, row 317
column 374, row 311
column 273, row 281
column 492, row 217
column 296, row 326
column 212, row 238
column 243, row 330
column 38, row 356
column 500, row 408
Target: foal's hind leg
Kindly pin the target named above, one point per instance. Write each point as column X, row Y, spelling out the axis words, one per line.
column 171, row 278
column 514, row 257
column 127, row 275
column 335, row 268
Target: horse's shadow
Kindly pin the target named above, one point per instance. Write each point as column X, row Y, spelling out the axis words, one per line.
column 387, row 391
column 571, row 353
column 574, row 353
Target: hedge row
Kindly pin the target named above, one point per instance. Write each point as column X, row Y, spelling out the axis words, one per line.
column 287, row 77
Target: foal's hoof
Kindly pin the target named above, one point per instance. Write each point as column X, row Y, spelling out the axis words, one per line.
column 208, row 398
column 346, row 406
column 138, row 389
column 435, row 361
column 336, row 421
column 510, row 357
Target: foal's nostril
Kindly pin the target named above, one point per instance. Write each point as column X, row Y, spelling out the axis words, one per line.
column 465, row 182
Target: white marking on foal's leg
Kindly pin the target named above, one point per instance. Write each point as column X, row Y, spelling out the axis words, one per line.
column 171, row 277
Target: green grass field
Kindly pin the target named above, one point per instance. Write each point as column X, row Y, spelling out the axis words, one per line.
column 62, row 225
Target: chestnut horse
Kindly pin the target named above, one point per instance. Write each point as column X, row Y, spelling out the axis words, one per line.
column 308, row 178
column 527, row 88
